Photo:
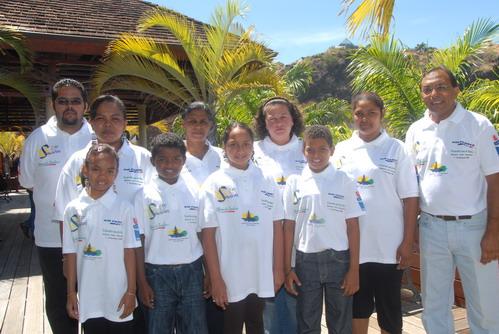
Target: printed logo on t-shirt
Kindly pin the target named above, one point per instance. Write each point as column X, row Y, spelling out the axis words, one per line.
column 45, row 150
column 136, row 230
column 438, row 168
column 365, row 180
column 249, row 217
column 495, row 139
column 360, row 201
column 177, row 233
column 153, row 210
column 224, row 193
column 416, row 147
column 74, row 222
column 280, row 180
column 92, row 252
column 296, row 196
column 314, row 219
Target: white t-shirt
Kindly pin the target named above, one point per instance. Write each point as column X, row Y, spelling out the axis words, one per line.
column 320, row 203
column 384, row 174
column 452, row 158
column 98, row 231
column 242, row 204
column 200, row 169
column 135, row 169
column 45, row 152
column 280, row 161
column 168, row 217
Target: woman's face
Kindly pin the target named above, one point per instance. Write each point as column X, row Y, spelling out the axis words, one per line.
column 279, row 122
column 367, row 118
column 239, row 148
column 109, row 123
column 197, row 125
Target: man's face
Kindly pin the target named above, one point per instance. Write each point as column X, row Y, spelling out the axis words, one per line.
column 69, row 107
column 438, row 94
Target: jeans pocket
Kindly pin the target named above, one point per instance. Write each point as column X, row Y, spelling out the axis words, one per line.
column 342, row 257
column 150, row 271
column 424, row 220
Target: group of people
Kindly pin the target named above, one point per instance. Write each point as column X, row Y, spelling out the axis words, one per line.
column 260, row 234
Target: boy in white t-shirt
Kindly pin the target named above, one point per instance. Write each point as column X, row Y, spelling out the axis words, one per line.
column 322, row 207
column 171, row 284
column 99, row 234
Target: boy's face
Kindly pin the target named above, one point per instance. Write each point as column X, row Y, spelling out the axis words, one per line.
column 317, row 152
column 168, row 162
column 100, row 171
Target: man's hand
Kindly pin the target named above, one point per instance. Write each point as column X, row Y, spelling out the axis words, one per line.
column 72, row 305
column 292, row 280
column 146, row 294
column 490, row 246
column 404, row 252
column 350, row 283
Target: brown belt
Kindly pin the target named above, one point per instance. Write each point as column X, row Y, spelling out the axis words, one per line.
column 450, row 218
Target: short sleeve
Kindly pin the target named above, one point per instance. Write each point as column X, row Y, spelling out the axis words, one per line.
column 67, row 187
column 409, row 145
column 488, row 149
column 131, row 226
column 290, row 199
column 139, row 210
column 278, row 209
column 354, row 205
column 407, row 181
column 207, row 211
column 27, row 164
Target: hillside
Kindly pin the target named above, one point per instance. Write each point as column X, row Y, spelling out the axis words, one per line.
column 330, row 78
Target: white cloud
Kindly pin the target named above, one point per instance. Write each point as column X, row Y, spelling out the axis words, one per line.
column 286, row 39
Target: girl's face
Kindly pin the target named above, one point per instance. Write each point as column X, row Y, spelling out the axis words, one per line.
column 239, row 148
column 109, row 124
column 168, row 162
column 279, row 122
column 367, row 118
column 317, row 152
column 100, row 171
column 197, row 125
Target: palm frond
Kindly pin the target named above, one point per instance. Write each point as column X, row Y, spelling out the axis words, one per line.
column 369, row 14
column 463, row 55
column 15, row 40
column 23, row 85
column 483, row 96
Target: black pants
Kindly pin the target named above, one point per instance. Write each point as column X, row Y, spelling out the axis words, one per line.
column 214, row 317
column 104, row 326
column 249, row 312
column 55, row 291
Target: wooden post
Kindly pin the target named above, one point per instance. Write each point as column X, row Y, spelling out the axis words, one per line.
column 142, row 125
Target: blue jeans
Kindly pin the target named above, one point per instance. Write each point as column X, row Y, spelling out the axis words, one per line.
column 279, row 315
column 178, row 298
column 322, row 274
column 443, row 246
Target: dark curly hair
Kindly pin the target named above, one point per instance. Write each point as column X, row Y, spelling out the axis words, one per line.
column 167, row 140
column 259, row 123
column 318, row 132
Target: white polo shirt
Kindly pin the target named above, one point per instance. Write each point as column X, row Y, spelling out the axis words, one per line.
column 168, row 217
column 135, row 169
column 320, row 203
column 384, row 174
column 200, row 169
column 242, row 204
column 452, row 158
column 280, row 161
column 45, row 152
column 98, row 231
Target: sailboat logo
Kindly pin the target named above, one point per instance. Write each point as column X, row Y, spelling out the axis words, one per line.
column 365, row 180
column 249, row 217
column 177, row 233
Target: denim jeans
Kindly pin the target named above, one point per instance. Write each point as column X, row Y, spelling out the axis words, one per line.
column 279, row 315
column 321, row 274
column 178, row 298
column 443, row 246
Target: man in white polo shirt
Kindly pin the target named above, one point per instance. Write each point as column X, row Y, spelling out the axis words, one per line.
column 458, row 165
column 44, row 154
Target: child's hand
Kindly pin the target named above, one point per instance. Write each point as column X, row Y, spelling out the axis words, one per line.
column 404, row 252
column 350, row 284
column 291, row 280
column 146, row 295
column 219, row 293
column 206, row 286
column 127, row 302
column 72, row 305
column 278, row 279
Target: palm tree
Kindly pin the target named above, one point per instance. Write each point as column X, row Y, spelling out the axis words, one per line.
column 18, row 81
column 224, row 64
column 371, row 14
column 385, row 68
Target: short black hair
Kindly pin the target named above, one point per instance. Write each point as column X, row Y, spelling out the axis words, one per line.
column 234, row 125
column 368, row 96
column 261, row 127
column 452, row 77
column 167, row 140
column 317, row 132
column 199, row 105
column 66, row 82
column 106, row 98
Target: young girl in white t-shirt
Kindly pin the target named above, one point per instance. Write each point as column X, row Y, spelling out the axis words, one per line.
column 241, row 216
column 99, row 234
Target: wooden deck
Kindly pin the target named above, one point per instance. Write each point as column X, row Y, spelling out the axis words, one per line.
column 21, row 286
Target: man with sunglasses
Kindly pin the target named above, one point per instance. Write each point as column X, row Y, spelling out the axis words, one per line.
column 44, row 154
column 456, row 156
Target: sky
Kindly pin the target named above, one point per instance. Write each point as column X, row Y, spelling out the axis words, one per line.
column 299, row 28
